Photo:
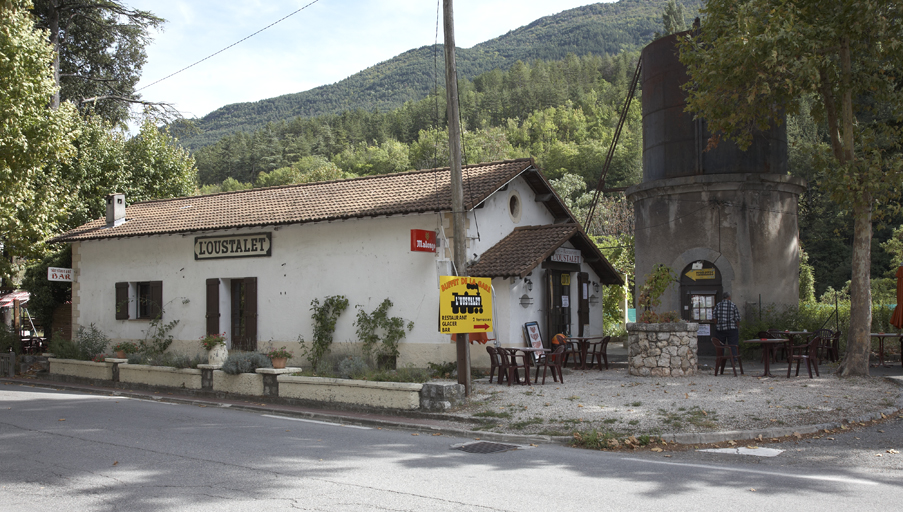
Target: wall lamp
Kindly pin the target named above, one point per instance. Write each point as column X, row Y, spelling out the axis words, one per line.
column 529, row 284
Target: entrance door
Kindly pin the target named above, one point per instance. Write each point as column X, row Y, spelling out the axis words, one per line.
column 700, row 290
column 240, row 311
column 558, row 286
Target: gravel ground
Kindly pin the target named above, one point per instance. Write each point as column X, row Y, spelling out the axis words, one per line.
column 614, row 401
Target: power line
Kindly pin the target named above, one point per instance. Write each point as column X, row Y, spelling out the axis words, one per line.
column 230, row 46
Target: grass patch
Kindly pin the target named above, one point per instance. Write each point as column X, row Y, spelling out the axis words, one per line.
column 693, row 416
column 610, row 420
column 520, row 425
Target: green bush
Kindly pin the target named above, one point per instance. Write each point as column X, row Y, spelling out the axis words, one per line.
column 245, row 362
column 179, row 361
column 8, row 339
column 62, row 348
column 90, row 342
column 352, row 367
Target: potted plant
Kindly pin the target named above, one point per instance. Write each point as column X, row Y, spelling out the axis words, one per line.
column 215, row 345
column 279, row 356
column 124, row 348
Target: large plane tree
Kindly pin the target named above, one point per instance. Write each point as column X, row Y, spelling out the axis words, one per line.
column 753, row 61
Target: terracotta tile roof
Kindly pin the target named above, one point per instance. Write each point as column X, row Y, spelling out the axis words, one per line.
column 369, row 196
column 527, row 247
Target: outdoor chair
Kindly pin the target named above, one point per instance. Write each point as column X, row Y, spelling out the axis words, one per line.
column 495, row 363
column 825, row 336
column 571, row 348
column 807, row 352
column 515, row 362
column 552, row 362
column 598, row 352
column 723, row 354
column 832, row 349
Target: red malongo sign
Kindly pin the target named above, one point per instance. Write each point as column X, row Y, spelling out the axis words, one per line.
column 423, row 240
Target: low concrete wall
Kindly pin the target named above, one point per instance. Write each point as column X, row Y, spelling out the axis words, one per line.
column 389, row 395
column 160, row 376
column 241, row 384
column 81, row 369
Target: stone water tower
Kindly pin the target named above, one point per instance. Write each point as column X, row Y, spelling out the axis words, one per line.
column 724, row 219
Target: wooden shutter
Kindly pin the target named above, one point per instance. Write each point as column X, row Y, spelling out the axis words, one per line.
column 213, row 306
column 251, row 313
column 582, row 301
column 155, row 307
column 122, row 301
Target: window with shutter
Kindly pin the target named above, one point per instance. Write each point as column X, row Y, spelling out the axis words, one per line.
column 213, row 306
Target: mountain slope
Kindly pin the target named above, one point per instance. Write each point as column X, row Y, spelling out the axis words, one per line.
column 599, row 29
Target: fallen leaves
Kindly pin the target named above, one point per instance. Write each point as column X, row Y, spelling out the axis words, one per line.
column 657, row 449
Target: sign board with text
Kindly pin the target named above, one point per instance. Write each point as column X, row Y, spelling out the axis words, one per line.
column 59, row 274
column 566, row 255
column 423, row 240
column 465, row 304
column 232, row 246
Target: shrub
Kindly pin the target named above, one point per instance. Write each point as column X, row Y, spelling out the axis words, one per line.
column 245, row 362
column 415, row 375
column 8, row 339
column 90, row 342
column 324, row 318
column 369, row 325
column 352, row 367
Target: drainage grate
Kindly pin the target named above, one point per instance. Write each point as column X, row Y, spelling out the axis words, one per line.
column 485, row 447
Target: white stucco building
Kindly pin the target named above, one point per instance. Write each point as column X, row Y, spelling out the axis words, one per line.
column 249, row 263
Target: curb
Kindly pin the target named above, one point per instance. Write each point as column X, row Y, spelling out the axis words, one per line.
column 412, row 424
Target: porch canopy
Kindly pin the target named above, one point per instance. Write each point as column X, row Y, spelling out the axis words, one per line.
column 527, row 247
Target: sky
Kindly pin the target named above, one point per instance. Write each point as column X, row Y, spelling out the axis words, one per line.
column 324, row 43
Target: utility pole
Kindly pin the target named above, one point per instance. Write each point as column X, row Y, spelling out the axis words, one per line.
column 457, row 182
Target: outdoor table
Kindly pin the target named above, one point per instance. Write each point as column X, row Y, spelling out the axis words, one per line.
column 881, row 336
column 584, row 343
column 768, row 345
column 528, row 359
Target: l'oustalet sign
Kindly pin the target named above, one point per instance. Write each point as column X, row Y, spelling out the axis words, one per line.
column 232, row 246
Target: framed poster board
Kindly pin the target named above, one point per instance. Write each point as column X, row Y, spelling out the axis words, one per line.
column 533, row 337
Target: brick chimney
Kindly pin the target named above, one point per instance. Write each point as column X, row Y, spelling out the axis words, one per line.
column 115, row 210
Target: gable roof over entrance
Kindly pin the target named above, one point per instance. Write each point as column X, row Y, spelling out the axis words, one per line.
column 369, row 196
column 527, row 247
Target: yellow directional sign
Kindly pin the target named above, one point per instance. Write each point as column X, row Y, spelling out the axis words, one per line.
column 465, row 304
column 701, row 273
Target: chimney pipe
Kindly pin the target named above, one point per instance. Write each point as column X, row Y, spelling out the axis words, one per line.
column 115, row 209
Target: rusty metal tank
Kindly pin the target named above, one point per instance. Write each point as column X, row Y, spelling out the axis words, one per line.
column 674, row 143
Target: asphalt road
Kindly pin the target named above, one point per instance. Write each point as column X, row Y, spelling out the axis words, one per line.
column 69, row 451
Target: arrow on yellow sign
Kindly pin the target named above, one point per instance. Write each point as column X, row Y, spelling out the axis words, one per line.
column 701, row 273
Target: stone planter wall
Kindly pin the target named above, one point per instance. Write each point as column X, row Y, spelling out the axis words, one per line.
column 388, row 395
column 81, row 369
column 269, row 382
column 241, row 384
column 662, row 350
column 160, row 376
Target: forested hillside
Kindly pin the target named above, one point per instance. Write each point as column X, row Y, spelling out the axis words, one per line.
column 563, row 113
column 598, row 29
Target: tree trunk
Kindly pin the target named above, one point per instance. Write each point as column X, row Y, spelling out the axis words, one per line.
column 856, row 361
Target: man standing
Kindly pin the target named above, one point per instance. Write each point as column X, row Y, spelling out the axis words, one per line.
column 727, row 326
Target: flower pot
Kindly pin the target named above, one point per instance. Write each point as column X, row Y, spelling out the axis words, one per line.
column 120, row 354
column 217, row 355
column 279, row 362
